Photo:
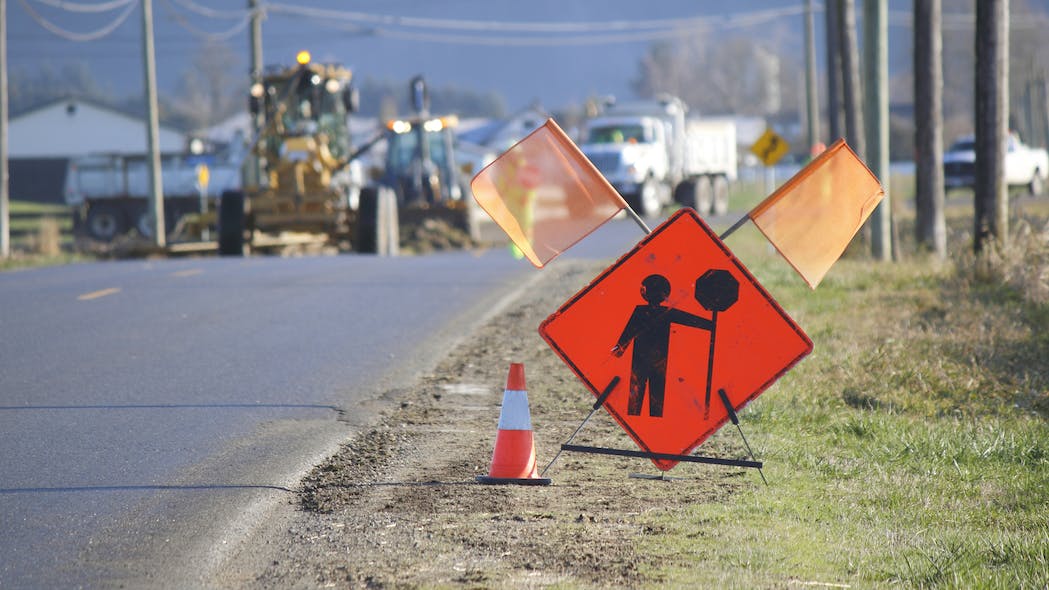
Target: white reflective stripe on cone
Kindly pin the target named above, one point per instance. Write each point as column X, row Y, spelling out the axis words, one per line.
column 515, row 415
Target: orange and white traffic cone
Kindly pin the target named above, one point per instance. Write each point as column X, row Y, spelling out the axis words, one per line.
column 513, row 460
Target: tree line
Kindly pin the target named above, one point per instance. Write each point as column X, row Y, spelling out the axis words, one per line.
column 214, row 87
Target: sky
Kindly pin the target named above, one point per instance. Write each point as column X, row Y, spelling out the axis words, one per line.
column 582, row 48
column 598, row 56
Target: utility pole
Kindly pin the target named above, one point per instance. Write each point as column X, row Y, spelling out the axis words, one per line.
column 876, row 109
column 812, row 95
column 156, row 186
column 5, row 197
column 850, row 75
column 1043, row 107
column 930, row 225
column 256, row 85
column 992, row 103
column 833, row 33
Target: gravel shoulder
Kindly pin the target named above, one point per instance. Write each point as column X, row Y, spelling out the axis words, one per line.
column 398, row 505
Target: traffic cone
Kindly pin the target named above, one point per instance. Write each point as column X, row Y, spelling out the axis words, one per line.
column 513, row 460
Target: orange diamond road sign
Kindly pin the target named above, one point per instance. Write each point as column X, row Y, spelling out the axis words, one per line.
column 677, row 319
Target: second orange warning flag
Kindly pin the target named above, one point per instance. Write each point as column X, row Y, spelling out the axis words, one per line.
column 812, row 218
column 545, row 194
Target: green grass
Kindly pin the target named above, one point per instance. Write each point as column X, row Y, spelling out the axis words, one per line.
column 41, row 235
column 28, row 207
column 910, row 449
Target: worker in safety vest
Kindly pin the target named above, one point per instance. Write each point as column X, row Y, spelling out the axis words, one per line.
column 517, row 185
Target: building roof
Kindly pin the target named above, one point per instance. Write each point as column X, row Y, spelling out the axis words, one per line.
column 75, row 127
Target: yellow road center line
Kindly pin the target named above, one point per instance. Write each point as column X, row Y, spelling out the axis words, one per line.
column 97, row 294
column 187, row 273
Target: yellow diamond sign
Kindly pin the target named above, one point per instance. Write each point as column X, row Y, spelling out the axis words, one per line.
column 770, row 147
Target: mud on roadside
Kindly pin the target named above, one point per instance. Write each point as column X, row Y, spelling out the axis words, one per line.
column 398, row 506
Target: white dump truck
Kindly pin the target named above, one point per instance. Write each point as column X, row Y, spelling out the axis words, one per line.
column 654, row 153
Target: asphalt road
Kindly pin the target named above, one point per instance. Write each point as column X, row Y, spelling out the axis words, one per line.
column 152, row 411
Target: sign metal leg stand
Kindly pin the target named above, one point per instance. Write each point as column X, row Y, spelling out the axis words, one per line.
column 597, row 404
column 735, row 420
column 567, row 446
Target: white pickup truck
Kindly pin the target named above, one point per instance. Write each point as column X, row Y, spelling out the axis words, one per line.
column 1025, row 166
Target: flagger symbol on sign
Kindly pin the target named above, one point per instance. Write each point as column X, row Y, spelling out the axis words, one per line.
column 649, row 330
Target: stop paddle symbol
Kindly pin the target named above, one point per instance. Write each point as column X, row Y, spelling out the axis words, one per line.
column 716, row 290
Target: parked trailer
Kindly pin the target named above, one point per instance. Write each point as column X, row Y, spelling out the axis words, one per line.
column 110, row 193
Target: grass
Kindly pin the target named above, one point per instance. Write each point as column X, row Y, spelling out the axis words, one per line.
column 41, row 235
column 910, row 449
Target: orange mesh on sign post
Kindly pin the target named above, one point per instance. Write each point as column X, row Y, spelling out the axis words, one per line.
column 813, row 216
column 545, row 194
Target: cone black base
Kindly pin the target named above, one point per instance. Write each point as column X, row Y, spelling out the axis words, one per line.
column 523, row 481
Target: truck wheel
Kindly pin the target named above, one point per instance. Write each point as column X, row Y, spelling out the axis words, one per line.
column 144, row 224
column 1037, row 184
column 645, row 202
column 685, row 193
column 704, row 196
column 720, row 189
column 378, row 226
column 231, row 223
column 105, row 221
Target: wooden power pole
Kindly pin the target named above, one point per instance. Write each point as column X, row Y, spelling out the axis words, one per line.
column 930, row 225
column 850, row 76
column 833, row 34
column 992, row 103
column 876, row 111
column 5, row 197
column 812, row 93
column 156, row 186
column 255, row 41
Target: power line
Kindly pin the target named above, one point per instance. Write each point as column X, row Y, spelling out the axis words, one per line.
column 212, row 13
column 659, row 27
column 208, row 35
column 78, row 7
column 680, row 28
column 79, row 37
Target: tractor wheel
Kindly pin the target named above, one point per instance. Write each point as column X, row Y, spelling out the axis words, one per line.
column 231, row 223
column 378, row 227
column 720, row 205
column 105, row 221
column 143, row 223
column 388, row 206
column 471, row 212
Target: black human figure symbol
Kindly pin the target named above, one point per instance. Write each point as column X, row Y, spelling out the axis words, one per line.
column 649, row 329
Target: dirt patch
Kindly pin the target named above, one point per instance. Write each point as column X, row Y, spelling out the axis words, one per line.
column 398, row 506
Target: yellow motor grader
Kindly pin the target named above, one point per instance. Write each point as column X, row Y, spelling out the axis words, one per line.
column 304, row 183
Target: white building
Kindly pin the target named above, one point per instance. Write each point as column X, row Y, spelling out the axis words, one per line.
column 41, row 142
column 74, row 127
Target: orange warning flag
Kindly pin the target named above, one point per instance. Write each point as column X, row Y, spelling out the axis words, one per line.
column 545, row 194
column 813, row 216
